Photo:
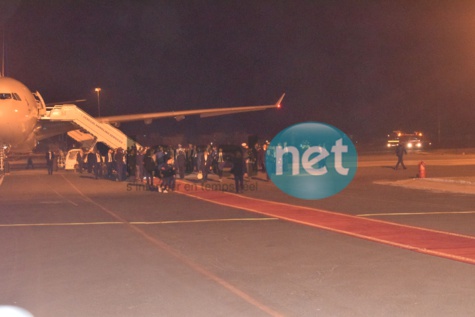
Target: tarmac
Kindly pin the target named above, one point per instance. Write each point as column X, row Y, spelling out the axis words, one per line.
column 75, row 246
column 461, row 185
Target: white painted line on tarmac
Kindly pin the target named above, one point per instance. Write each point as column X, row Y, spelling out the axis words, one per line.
column 417, row 213
column 203, row 220
column 60, row 224
column 68, row 200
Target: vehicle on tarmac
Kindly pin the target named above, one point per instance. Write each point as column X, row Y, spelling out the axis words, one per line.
column 411, row 141
column 70, row 161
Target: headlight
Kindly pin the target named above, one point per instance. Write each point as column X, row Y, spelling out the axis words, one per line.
column 409, row 145
column 419, row 145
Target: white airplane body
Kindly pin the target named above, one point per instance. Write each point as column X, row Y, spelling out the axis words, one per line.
column 21, row 112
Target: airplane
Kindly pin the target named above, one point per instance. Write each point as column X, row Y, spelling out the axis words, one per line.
column 21, row 111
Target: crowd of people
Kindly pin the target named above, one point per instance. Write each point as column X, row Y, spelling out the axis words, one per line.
column 167, row 163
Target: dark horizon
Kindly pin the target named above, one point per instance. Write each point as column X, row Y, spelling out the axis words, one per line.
column 367, row 68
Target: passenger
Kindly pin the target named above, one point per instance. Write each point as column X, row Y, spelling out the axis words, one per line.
column 263, row 154
column 195, row 159
column 80, row 160
column 251, row 162
column 149, row 167
column 189, row 158
column 214, row 159
column 132, row 161
column 261, row 157
column 255, row 155
column 50, row 161
column 208, row 162
column 91, row 159
column 200, row 159
column 220, row 161
column 98, row 165
column 110, row 163
column 238, row 171
column 160, row 159
column 245, row 156
column 29, row 162
column 168, row 172
column 59, row 160
column 119, row 164
column 125, row 172
column 139, row 165
column 181, row 161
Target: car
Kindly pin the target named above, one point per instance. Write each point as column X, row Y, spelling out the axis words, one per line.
column 413, row 143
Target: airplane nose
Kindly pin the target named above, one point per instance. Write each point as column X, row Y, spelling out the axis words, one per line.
column 11, row 122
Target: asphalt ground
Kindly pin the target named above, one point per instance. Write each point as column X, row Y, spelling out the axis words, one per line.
column 75, row 246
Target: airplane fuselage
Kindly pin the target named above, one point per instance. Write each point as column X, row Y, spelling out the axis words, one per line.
column 19, row 113
column 22, row 110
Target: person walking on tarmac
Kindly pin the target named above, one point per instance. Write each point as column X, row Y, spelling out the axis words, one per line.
column 400, row 151
column 50, row 161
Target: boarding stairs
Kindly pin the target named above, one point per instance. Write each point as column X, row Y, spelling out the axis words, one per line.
column 90, row 130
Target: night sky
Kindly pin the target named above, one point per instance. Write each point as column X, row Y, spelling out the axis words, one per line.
column 366, row 67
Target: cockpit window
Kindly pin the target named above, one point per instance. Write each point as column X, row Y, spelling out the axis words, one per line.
column 4, row 96
column 16, row 97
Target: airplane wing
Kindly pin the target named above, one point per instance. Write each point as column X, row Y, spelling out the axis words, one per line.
column 50, row 129
column 180, row 115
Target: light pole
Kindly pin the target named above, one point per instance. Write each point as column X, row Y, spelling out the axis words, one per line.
column 98, row 90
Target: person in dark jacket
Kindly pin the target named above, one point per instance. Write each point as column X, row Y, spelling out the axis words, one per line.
column 119, row 164
column 208, row 163
column 97, row 164
column 181, row 161
column 400, row 151
column 168, row 176
column 110, row 163
column 29, row 162
column 238, row 170
column 80, row 160
column 139, row 166
column 50, row 161
column 149, row 166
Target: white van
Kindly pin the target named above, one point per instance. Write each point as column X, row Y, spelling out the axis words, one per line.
column 71, row 159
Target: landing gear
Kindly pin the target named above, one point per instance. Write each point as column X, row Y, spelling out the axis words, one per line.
column 2, row 160
column 4, row 166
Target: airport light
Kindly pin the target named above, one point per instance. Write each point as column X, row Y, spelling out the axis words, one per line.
column 98, row 90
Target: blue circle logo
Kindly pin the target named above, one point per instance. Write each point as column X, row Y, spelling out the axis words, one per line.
column 311, row 160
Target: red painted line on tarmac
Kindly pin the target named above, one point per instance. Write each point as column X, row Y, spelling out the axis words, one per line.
column 183, row 258
column 443, row 244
